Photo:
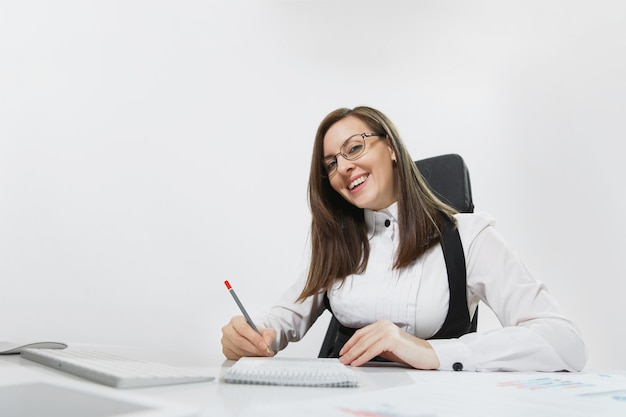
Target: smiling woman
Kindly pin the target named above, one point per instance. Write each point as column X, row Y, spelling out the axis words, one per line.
column 151, row 149
column 352, row 149
column 378, row 264
column 357, row 156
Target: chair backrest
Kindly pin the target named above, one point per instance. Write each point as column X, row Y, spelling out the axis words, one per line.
column 448, row 177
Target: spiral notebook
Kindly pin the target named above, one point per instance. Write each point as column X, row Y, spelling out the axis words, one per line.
column 305, row 372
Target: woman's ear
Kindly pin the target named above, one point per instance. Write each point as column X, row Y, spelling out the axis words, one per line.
column 392, row 153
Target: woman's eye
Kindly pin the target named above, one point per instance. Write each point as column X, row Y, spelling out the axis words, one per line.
column 330, row 165
column 354, row 149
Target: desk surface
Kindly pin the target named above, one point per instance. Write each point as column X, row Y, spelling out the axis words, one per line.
column 384, row 391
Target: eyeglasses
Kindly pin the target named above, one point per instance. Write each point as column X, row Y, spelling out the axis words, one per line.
column 353, row 148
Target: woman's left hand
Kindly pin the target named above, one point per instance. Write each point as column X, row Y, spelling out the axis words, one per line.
column 387, row 340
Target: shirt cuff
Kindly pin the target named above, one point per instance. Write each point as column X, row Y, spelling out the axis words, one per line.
column 453, row 355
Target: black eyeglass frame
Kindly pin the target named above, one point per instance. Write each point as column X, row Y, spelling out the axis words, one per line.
column 347, row 157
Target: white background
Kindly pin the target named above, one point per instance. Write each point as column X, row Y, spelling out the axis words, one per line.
column 149, row 150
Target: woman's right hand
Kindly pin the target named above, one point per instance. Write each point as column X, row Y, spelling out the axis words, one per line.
column 239, row 339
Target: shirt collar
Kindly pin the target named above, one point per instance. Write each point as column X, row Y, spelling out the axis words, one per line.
column 375, row 220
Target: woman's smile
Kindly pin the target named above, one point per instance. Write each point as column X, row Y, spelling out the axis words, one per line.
column 356, row 182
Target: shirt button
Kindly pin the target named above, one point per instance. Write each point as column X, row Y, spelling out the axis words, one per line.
column 387, row 223
column 457, row 366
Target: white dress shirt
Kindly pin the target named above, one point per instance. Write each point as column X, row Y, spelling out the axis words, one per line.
column 535, row 335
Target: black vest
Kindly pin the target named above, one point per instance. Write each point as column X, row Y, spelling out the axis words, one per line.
column 457, row 322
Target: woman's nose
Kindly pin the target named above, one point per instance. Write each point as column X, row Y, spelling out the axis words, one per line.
column 344, row 165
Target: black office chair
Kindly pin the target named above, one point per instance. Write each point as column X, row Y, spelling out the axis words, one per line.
column 448, row 177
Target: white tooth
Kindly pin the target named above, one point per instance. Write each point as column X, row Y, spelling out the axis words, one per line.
column 356, row 182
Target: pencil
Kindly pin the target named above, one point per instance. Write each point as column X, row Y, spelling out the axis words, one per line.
column 245, row 313
column 241, row 307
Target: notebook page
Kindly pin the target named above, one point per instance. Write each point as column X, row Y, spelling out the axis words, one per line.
column 309, row 372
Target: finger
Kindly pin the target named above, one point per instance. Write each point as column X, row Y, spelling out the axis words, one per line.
column 356, row 338
column 239, row 337
column 369, row 342
column 364, row 348
column 230, row 353
column 246, row 331
column 359, row 357
column 244, row 347
column 347, row 346
column 234, row 346
column 268, row 336
column 365, row 351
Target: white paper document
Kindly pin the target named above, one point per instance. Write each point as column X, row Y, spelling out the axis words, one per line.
column 470, row 394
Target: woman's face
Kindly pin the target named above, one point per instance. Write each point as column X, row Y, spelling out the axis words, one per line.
column 367, row 182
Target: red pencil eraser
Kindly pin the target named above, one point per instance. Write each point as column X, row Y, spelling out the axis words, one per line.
column 227, row 284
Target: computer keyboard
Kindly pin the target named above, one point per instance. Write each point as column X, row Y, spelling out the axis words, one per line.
column 112, row 370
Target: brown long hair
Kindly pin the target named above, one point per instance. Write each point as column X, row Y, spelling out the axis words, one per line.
column 339, row 242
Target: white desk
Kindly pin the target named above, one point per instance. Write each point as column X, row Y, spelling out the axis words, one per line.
column 383, row 391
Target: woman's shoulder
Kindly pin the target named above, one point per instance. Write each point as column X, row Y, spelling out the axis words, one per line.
column 472, row 224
